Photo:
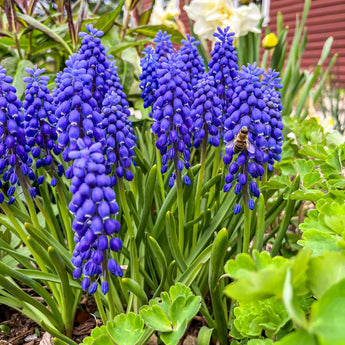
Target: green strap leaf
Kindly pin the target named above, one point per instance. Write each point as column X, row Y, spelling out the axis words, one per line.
column 39, row 26
column 106, row 21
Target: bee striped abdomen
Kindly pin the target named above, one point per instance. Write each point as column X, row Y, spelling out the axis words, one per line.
column 239, row 146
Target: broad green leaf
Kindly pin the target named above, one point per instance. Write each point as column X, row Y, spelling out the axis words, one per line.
column 155, row 318
column 244, row 264
column 311, row 179
column 325, row 271
column 151, row 31
column 106, row 21
column 267, row 315
column 303, row 167
column 300, row 337
column 163, row 302
column 290, row 302
column 45, row 29
column 10, row 64
column 327, row 316
column 20, row 74
column 319, row 241
column 179, row 290
column 177, row 317
column 310, row 194
column 126, row 329
column 264, row 277
column 172, row 338
column 204, row 336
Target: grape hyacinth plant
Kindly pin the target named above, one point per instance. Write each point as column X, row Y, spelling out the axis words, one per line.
column 163, row 45
column 93, row 205
column 193, row 64
column 223, row 66
column 148, row 78
column 39, row 112
column 15, row 163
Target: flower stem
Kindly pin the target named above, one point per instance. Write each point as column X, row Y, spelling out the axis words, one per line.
column 28, row 198
column 180, row 207
column 65, row 218
column 247, row 223
column 134, row 263
column 199, row 187
column 214, row 172
column 100, row 308
column 159, row 175
column 247, row 214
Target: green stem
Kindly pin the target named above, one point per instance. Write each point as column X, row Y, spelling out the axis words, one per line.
column 65, row 218
column 214, row 173
column 180, row 207
column 159, row 175
column 247, row 214
column 110, row 297
column 199, row 187
column 260, row 227
column 28, row 200
column 134, row 262
column 18, row 47
column 247, row 222
column 100, row 307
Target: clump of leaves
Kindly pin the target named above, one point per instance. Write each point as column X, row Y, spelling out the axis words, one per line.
column 302, row 289
column 168, row 314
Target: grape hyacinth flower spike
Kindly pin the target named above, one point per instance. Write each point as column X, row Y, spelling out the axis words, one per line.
column 120, row 140
column 163, row 45
column 148, row 77
column 245, row 136
column 193, row 64
column 172, row 117
column 94, row 205
column 223, row 66
column 39, row 123
column 273, row 124
column 206, row 112
column 15, row 163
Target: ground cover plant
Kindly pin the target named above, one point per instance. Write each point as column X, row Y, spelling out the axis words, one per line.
column 215, row 209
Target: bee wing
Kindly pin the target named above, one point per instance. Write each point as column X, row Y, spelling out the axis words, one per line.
column 250, row 147
column 230, row 146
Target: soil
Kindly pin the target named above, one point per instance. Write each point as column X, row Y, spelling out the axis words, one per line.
column 23, row 331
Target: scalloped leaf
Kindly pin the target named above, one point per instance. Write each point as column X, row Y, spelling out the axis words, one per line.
column 126, row 329
column 155, row 318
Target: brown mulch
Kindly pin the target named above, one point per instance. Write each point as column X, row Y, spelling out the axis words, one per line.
column 23, row 331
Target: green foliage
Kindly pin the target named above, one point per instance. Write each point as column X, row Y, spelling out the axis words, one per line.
column 168, row 314
column 303, row 276
column 255, row 317
column 171, row 312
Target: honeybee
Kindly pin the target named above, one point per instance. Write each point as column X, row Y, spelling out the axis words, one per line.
column 241, row 142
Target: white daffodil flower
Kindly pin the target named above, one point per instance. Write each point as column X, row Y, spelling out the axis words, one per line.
column 208, row 15
column 165, row 16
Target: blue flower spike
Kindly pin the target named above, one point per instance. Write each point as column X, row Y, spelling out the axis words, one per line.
column 194, row 65
column 15, row 163
column 247, row 135
column 94, row 207
column 223, row 66
column 40, row 131
column 148, row 78
column 206, row 112
column 120, row 139
column 163, row 45
column 172, row 117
